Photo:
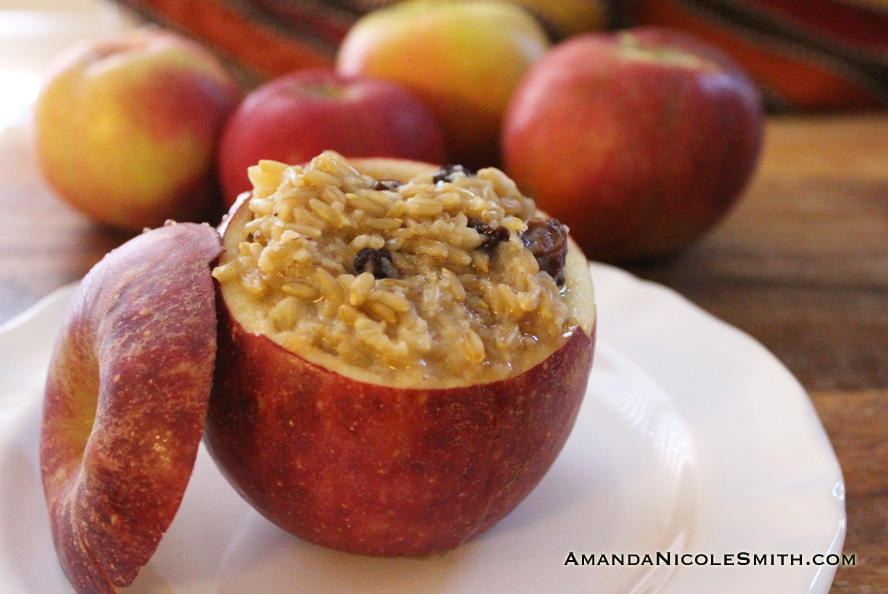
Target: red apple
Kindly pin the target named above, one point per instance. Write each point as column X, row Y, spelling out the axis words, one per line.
column 126, row 128
column 297, row 116
column 464, row 59
column 639, row 140
column 126, row 398
column 373, row 463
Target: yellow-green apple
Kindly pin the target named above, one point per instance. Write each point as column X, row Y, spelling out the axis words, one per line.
column 297, row 116
column 126, row 128
column 464, row 59
column 125, row 402
column 378, row 463
column 639, row 140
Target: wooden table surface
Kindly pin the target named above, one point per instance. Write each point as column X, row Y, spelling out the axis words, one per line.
column 801, row 264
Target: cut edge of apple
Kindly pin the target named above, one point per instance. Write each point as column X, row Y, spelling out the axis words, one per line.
column 125, row 402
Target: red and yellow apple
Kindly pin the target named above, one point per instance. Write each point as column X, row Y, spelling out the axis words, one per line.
column 126, row 400
column 639, row 140
column 297, row 116
column 464, row 59
column 126, row 128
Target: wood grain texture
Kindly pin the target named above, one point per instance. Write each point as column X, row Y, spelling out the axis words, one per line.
column 802, row 261
column 46, row 244
column 802, row 265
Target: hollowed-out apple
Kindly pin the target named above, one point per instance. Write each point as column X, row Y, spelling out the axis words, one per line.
column 362, row 434
column 389, row 361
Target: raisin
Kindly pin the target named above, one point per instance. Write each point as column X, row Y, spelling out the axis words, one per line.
column 490, row 237
column 376, row 262
column 547, row 241
column 387, row 184
column 448, row 173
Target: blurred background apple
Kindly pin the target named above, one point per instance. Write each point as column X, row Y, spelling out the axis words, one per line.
column 639, row 140
column 295, row 117
column 125, row 127
column 464, row 59
column 36, row 31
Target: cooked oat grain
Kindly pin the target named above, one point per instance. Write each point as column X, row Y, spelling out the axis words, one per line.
column 432, row 278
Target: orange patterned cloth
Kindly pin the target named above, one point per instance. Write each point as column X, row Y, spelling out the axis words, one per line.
column 805, row 55
column 271, row 37
column 267, row 38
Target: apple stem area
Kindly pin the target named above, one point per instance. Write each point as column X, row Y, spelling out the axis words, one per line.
column 320, row 90
column 632, row 49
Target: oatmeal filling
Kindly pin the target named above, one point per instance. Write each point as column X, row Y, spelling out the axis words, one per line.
column 449, row 277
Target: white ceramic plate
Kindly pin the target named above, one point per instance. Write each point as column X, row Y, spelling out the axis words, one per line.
column 693, row 442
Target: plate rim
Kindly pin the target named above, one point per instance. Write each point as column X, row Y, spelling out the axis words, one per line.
column 55, row 302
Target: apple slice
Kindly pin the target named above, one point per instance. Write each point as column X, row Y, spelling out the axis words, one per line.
column 125, row 402
column 399, row 458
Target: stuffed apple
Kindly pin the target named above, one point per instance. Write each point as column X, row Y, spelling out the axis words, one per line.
column 382, row 356
column 403, row 351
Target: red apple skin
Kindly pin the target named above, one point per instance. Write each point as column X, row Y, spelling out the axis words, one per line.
column 125, row 128
column 125, row 402
column 640, row 141
column 377, row 470
column 374, row 470
column 297, row 116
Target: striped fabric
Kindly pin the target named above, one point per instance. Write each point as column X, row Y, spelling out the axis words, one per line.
column 812, row 55
column 270, row 37
column 265, row 37
column 805, row 54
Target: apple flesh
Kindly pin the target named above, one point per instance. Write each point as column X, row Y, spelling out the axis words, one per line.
column 125, row 128
column 366, row 467
column 297, row 116
column 640, row 141
column 464, row 59
column 125, row 402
